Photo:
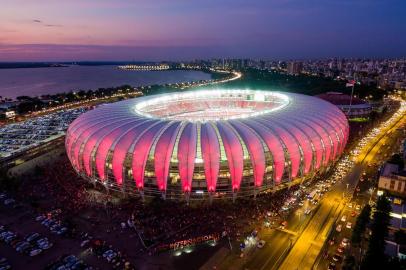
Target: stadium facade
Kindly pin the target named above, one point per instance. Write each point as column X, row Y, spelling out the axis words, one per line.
column 206, row 143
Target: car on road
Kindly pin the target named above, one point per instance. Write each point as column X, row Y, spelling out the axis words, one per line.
column 283, row 224
column 358, row 207
column 261, row 244
column 339, row 228
column 331, row 266
column 344, row 242
column 337, row 258
column 344, row 218
column 349, row 225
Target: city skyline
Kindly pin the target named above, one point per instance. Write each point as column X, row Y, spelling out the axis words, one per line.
column 182, row 30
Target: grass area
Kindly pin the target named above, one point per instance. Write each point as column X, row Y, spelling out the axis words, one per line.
column 359, row 120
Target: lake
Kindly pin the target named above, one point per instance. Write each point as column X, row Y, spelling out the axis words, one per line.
column 39, row 81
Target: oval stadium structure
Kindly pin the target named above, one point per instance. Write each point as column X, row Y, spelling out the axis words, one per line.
column 206, row 143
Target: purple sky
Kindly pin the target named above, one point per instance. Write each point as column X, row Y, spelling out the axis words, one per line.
column 74, row 30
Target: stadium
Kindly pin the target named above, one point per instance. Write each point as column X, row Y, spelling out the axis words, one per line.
column 358, row 108
column 206, row 143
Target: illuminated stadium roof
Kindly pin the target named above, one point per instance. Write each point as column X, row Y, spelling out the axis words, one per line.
column 206, row 142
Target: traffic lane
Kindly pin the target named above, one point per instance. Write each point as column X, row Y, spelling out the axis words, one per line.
column 277, row 242
column 339, row 236
column 311, row 232
column 311, row 256
column 266, row 257
column 331, row 198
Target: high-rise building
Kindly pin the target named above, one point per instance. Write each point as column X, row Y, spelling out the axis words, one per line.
column 295, row 68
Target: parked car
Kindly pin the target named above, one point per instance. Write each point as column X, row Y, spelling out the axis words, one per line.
column 45, row 245
column 111, row 256
column 40, row 218
column 35, row 252
column 108, row 252
column 84, row 243
column 62, row 231
column 22, row 246
column 70, row 260
column 31, row 237
column 339, row 228
column 9, row 201
column 10, row 238
column 4, row 264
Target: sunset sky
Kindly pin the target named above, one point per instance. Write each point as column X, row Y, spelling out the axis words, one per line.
column 74, row 30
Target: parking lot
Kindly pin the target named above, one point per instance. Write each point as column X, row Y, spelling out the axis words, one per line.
column 42, row 242
column 22, row 136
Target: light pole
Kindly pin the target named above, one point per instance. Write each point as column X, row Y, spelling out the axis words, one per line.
column 352, row 93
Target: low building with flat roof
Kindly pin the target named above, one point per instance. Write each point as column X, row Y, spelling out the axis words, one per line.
column 392, row 180
column 357, row 109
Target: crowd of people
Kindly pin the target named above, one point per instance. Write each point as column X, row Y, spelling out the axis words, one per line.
column 154, row 221
column 170, row 221
column 58, row 187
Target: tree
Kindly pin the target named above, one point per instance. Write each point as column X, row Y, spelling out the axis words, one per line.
column 349, row 263
column 360, row 225
column 8, row 182
column 400, row 237
column 398, row 160
column 375, row 257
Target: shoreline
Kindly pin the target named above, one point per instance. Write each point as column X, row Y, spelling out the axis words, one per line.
column 36, row 106
column 140, row 84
